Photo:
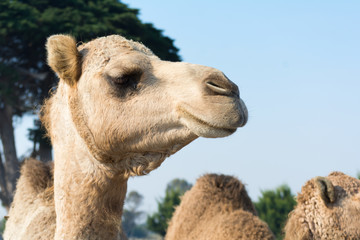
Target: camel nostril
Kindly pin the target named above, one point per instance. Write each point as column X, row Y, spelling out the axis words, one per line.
column 222, row 88
column 217, row 89
column 216, row 83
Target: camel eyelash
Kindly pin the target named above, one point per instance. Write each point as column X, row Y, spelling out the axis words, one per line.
column 128, row 79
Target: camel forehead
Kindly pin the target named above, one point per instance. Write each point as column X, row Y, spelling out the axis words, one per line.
column 100, row 50
column 112, row 44
column 350, row 184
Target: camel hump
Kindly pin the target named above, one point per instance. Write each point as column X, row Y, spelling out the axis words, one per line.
column 227, row 189
column 36, row 177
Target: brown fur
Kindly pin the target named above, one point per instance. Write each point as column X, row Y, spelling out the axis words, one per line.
column 37, row 196
column 38, row 176
column 217, row 207
column 104, row 132
column 327, row 208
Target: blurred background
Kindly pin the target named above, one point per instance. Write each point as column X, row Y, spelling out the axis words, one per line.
column 297, row 65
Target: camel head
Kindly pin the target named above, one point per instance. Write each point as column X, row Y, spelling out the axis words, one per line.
column 327, row 208
column 126, row 103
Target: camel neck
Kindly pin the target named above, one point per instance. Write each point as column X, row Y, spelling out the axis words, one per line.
column 89, row 203
column 89, row 196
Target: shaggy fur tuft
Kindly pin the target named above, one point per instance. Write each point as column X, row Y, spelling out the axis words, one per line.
column 226, row 189
column 37, row 177
column 217, row 207
column 64, row 58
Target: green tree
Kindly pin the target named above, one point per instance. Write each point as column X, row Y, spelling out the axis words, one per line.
column 2, row 227
column 178, row 185
column 25, row 79
column 41, row 143
column 158, row 222
column 274, row 206
column 132, row 215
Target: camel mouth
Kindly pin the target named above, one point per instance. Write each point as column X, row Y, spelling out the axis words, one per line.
column 204, row 128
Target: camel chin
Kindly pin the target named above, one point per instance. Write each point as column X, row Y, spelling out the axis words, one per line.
column 204, row 129
column 221, row 121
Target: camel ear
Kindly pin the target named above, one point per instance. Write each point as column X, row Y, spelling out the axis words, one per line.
column 326, row 188
column 64, row 58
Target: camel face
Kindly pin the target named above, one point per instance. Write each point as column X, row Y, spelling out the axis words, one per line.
column 328, row 208
column 129, row 101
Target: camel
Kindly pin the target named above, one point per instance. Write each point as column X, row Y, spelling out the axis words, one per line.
column 328, row 208
column 118, row 111
column 217, row 207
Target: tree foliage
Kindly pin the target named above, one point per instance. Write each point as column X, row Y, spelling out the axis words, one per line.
column 158, row 222
column 25, row 79
column 132, row 215
column 26, row 24
column 274, row 206
column 41, row 143
column 2, row 227
column 178, row 185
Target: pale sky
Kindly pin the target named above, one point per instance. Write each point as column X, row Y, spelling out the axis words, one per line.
column 297, row 65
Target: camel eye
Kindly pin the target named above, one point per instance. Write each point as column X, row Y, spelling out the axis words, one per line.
column 128, row 79
column 121, row 80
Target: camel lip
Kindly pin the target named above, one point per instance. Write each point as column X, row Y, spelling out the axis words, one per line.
column 187, row 115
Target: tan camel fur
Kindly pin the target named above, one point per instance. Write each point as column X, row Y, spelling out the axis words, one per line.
column 217, row 207
column 328, row 208
column 118, row 111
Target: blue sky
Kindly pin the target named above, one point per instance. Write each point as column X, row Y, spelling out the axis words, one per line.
column 297, row 64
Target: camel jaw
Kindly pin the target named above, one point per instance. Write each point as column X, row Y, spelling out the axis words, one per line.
column 215, row 124
column 203, row 128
